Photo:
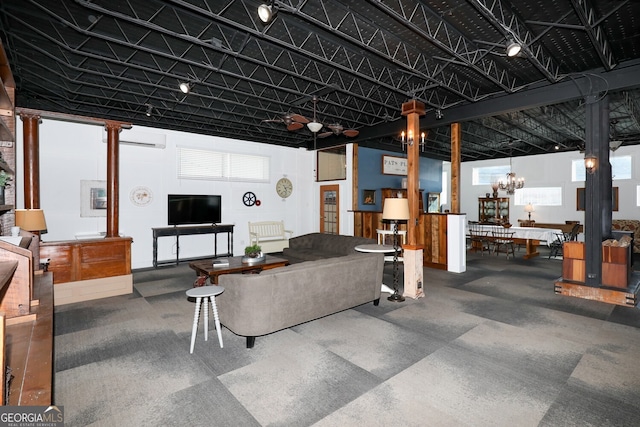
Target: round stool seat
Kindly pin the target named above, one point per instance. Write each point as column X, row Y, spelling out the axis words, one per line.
column 204, row 294
column 205, row 291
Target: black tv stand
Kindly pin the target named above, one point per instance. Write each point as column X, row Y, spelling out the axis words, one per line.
column 176, row 231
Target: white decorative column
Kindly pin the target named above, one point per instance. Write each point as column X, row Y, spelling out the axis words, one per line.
column 456, row 243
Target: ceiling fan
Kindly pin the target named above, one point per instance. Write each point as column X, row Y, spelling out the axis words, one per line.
column 338, row 129
column 293, row 121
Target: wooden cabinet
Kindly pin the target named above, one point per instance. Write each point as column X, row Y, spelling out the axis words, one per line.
column 78, row 260
column 493, row 210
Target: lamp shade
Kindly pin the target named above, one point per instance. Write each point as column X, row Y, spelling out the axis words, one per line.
column 30, row 219
column 529, row 208
column 395, row 209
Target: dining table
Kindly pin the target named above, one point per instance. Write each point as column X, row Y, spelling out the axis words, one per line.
column 531, row 237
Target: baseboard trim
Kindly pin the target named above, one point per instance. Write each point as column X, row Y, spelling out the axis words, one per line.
column 86, row 290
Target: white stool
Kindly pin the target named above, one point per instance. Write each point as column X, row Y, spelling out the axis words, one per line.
column 208, row 293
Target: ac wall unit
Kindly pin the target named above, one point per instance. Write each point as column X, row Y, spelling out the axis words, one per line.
column 140, row 139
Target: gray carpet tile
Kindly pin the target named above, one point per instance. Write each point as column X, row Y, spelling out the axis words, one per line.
column 298, row 386
column 116, row 372
column 493, row 346
column 90, row 314
column 371, row 344
column 207, row 403
column 578, row 406
column 434, row 318
column 521, row 350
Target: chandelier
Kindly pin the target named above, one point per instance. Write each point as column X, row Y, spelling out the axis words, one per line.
column 512, row 183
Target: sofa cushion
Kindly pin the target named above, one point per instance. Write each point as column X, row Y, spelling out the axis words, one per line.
column 315, row 246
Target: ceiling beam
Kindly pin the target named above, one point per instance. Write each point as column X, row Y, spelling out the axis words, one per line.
column 578, row 86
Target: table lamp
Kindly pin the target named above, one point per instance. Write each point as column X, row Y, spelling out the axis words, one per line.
column 395, row 210
column 31, row 220
column 529, row 208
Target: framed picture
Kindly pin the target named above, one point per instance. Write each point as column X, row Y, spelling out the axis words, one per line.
column 368, row 197
column 580, row 199
column 433, row 202
column 331, row 164
column 93, row 198
column 392, row 165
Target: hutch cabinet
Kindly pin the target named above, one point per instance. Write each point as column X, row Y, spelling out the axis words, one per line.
column 493, row 210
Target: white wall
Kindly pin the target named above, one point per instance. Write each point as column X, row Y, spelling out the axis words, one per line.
column 550, row 170
column 71, row 152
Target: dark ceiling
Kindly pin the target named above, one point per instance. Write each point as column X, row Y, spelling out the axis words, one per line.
column 118, row 59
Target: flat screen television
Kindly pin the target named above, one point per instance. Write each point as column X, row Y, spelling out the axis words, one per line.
column 194, row 209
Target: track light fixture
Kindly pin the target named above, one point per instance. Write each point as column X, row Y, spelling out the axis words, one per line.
column 266, row 12
column 185, row 87
column 149, row 110
column 439, row 114
column 513, row 48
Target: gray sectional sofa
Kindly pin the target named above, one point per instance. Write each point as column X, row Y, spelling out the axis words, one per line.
column 314, row 246
column 258, row 304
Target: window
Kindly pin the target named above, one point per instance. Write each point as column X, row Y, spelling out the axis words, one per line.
column 444, row 199
column 538, row 196
column 217, row 166
column 487, row 174
column 620, row 168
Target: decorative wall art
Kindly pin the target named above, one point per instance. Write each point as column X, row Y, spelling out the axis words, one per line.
column 392, row 165
column 93, row 198
column 368, row 197
column 581, row 199
column 433, row 202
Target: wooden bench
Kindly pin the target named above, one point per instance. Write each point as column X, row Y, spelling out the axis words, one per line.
column 270, row 235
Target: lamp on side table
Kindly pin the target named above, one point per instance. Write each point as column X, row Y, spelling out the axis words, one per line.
column 395, row 210
column 32, row 220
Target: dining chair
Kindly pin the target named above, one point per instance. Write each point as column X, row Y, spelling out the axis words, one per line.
column 504, row 238
column 555, row 247
column 479, row 238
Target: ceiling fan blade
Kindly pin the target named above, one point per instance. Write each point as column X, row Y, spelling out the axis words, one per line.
column 324, row 134
column 299, row 118
column 294, row 126
column 350, row 132
column 272, row 120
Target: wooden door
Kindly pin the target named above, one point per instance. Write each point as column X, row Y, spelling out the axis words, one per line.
column 329, row 209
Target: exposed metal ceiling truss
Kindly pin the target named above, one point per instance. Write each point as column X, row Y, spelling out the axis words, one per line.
column 119, row 59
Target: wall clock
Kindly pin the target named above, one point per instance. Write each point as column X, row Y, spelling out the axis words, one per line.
column 141, row 196
column 284, row 187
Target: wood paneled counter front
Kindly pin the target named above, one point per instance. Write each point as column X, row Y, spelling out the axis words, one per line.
column 89, row 269
column 431, row 229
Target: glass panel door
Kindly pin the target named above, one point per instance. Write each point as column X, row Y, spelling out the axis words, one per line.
column 329, row 213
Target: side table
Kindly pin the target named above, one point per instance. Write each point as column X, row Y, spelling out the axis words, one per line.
column 373, row 248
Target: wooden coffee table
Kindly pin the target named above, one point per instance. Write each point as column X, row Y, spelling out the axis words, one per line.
column 236, row 265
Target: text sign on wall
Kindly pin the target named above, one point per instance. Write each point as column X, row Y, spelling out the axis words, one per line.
column 394, row 165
